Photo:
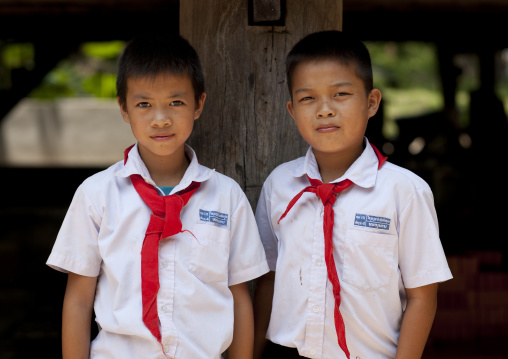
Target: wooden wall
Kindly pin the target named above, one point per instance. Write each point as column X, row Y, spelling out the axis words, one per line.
column 245, row 130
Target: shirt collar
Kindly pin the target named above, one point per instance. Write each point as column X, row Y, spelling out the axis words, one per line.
column 362, row 172
column 194, row 173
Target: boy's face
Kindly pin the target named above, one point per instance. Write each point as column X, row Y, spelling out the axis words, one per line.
column 330, row 107
column 161, row 112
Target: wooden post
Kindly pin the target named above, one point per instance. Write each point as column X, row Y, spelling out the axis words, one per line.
column 245, row 131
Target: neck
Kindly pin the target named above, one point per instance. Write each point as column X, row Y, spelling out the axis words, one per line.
column 334, row 165
column 166, row 171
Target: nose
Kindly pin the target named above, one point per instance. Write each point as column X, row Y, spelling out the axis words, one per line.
column 162, row 117
column 325, row 110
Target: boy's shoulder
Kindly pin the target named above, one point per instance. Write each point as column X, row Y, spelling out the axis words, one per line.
column 223, row 179
column 101, row 186
column 287, row 177
column 222, row 188
column 223, row 183
column 400, row 176
column 103, row 177
column 292, row 168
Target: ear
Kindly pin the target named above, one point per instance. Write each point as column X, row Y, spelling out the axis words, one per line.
column 199, row 106
column 290, row 108
column 374, row 100
column 125, row 114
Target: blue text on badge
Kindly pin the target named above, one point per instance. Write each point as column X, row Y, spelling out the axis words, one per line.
column 368, row 221
column 214, row 217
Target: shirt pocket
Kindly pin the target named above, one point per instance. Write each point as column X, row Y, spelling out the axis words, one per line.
column 209, row 255
column 368, row 259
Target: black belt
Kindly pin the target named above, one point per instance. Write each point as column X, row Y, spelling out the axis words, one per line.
column 276, row 351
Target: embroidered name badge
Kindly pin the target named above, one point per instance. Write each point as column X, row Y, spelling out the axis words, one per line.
column 213, row 217
column 365, row 220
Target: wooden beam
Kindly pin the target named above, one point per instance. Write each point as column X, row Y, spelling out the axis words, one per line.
column 77, row 7
column 51, row 19
column 245, row 131
column 426, row 5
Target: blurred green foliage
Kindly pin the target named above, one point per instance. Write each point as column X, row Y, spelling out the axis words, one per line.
column 404, row 65
column 63, row 81
column 89, row 72
column 407, row 74
column 103, row 50
column 17, row 55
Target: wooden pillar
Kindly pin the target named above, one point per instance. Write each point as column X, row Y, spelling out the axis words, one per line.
column 245, row 131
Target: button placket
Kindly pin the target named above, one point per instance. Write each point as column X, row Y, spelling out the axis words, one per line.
column 165, row 297
column 317, row 289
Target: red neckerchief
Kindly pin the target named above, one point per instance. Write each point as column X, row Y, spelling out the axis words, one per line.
column 164, row 222
column 328, row 194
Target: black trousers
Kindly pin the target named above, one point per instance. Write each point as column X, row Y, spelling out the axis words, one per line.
column 276, row 351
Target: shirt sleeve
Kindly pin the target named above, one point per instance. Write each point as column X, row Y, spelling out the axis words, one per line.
column 247, row 258
column 264, row 222
column 76, row 248
column 421, row 257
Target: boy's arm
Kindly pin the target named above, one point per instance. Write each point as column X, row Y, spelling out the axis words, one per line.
column 77, row 316
column 243, row 331
column 262, row 311
column 417, row 321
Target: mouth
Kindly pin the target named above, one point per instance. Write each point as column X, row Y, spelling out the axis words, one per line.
column 325, row 128
column 162, row 137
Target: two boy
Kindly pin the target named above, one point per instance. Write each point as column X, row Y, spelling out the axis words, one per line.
column 351, row 240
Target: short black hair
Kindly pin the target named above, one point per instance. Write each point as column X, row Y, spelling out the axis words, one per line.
column 331, row 45
column 149, row 56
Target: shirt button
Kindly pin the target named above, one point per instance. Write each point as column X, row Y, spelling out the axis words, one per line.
column 313, row 351
column 319, row 262
column 315, row 308
column 166, row 348
column 164, row 264
column 322, row 214
column 165, row 308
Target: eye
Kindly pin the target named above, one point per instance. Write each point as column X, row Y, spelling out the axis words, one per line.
column 176, row 103
column 143, row 105
column 342, row 94
column 306, row 98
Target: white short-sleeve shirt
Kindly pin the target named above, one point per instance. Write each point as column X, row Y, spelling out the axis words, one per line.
column 102, row 235
column 385, row 238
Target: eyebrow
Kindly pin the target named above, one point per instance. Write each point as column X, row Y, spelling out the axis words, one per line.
column 338, row 84
column 142, row 96
column 178, row 94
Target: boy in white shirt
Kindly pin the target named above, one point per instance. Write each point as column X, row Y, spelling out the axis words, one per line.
column 351, row 240
column 159, row 246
